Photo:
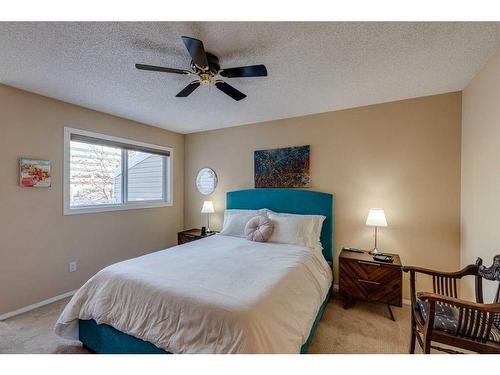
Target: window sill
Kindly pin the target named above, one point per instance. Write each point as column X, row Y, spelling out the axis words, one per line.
column 108, row 208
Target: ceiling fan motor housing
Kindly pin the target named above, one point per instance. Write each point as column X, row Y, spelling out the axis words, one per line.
column 213, row 64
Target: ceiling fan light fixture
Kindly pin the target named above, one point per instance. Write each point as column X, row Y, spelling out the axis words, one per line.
column 206, row 78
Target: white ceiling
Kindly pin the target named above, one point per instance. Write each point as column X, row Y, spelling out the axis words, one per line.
column 313, row 67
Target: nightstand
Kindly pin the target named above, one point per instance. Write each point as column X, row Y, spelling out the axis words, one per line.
column 362, row 278
column 191, row 235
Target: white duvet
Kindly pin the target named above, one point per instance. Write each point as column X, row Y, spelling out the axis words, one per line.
column 216, row 295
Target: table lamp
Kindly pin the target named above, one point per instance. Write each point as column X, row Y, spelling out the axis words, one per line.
column 208, row 208
column 376, row 218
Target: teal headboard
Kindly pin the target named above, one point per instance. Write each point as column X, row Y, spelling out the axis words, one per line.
column 305, row 202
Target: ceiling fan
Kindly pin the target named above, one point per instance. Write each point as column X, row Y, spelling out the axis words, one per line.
column 205, row 67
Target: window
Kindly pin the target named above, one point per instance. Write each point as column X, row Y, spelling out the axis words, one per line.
column 104, row 173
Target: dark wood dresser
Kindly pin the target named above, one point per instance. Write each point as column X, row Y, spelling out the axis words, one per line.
column 191, row 235
column 362, row 278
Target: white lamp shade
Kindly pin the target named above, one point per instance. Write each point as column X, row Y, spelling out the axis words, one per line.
column 376, row 218
column 208, row 207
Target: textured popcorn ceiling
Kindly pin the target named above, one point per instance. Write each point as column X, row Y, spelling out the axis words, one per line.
column 313, row 67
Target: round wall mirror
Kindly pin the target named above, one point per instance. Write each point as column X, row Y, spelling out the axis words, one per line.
column 206, row 181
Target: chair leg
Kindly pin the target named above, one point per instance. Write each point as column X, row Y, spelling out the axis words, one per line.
column 429, row 326
column 413, row 339
column 427, row 346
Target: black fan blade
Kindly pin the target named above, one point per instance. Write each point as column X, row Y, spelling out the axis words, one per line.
column 161, row 69
column 188, row 89
column 245, row 71
column 196, row 50
column 230, row 90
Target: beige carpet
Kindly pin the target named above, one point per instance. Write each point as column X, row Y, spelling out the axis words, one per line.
column 363, row 328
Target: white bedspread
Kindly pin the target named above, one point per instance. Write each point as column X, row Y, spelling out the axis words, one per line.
column 216, row 295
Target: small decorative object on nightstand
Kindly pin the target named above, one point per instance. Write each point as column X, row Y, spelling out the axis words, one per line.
column 376, row 218
column 192, row 235
column 363, row 278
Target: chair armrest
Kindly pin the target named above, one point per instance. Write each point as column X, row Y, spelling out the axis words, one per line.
column 471, row 269
column 460, row 303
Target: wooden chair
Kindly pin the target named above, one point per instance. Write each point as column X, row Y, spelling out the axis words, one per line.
column 442, row 317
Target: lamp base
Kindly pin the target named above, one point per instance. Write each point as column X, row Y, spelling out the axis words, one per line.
column 374, row 251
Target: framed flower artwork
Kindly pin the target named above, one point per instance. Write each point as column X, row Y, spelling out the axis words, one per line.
column 34, row 173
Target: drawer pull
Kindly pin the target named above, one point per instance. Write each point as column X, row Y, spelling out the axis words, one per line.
column 368, row 282
column 369, row 263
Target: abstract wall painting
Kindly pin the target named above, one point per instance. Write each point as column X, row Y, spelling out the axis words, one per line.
column 282, row 167
column 34, row 173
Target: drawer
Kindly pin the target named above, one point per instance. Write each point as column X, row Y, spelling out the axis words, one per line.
column 359, row 269
column 370, row 281
column 184, row 238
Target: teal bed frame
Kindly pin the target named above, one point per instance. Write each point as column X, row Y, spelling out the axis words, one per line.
column 102, row 338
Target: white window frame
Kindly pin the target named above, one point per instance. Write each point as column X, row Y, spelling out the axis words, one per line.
column 124, row 205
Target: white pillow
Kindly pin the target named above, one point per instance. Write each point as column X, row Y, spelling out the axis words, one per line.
column 235, row 221
column 304, row 230
column 317, row 226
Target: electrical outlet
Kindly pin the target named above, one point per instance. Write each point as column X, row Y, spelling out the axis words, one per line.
column 72, row 266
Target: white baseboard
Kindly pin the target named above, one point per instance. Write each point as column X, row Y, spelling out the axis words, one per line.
column 405, row 301
column 22, row 310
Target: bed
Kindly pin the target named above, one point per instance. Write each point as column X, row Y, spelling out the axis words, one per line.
column 216, row 295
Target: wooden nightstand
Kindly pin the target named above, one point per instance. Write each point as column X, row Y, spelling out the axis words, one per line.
column 191, row 235
column 362, row 278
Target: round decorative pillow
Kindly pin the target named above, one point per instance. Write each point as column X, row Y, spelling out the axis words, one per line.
column 259, row 229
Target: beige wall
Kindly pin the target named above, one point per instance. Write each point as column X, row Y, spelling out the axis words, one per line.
column 481, row 170
column 402, row 156
column 37, row 241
